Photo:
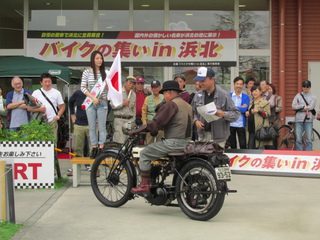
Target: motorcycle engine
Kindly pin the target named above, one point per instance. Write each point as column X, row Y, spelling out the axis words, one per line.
column 159, row 196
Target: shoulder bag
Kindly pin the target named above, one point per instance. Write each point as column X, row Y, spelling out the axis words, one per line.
column 267, row 133
column 63, row 127
column 55, row 109
column 312, row 111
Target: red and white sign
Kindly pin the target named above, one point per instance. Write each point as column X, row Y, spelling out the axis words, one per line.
column 33, row 163
column 163, row 47
column 275, row 162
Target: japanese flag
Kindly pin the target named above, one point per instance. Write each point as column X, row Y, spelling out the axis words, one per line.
column 114, row 82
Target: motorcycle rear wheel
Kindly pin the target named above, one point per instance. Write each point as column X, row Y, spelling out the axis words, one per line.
column 110, row 181
column 197, row 191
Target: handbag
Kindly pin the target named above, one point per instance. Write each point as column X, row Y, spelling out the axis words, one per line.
column 267, row 133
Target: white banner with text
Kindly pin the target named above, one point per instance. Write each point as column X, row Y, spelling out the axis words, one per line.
column 172, row 48
column 33, row 163
column 275, row 162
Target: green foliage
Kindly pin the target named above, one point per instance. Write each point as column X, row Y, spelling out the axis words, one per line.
column 60, row 182
column 34, row 131
column 7, row 229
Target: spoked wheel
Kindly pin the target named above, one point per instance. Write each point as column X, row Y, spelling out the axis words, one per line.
column 110, row 181
column 315, row 138
column 287, row 139
column 197, row 189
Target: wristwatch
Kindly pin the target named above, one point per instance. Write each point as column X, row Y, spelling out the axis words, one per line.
column 58, row 117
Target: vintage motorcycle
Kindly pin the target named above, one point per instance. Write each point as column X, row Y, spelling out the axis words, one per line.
column 198, row 177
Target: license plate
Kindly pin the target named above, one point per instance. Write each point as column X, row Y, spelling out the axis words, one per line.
column 223, row 173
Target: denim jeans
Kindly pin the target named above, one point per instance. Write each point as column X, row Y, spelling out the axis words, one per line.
column 97, row 113
column 307, row 127
column 14, row 129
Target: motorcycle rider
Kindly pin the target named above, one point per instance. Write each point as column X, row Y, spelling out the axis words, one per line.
column 175, row 118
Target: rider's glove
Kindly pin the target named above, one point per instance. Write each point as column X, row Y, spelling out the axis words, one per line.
column 133, row 132
column 154, row 133
column 136, row 131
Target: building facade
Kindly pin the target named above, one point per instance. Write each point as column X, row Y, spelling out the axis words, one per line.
column 274, row 39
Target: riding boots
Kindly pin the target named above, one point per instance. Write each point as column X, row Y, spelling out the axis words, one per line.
column 144, row 186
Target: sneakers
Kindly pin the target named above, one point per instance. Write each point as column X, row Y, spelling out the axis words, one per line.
column 70, row 170
column 99, row 151
column 94, row 153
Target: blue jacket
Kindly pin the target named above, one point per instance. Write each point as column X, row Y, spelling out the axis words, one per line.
column 9, row 98
column 245, row 100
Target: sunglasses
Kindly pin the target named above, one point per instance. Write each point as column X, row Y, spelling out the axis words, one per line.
column 305, row 86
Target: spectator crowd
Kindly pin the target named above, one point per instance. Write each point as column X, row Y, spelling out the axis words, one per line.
column 235, row 118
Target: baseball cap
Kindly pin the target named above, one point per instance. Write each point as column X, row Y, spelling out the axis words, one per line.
column 203, row 73
column 140, row 79
column 130, row 78
column 155, row 83
column 306, row 83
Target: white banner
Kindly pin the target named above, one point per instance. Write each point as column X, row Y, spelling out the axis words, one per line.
column 160, row 47
column 33, row 163
column 272, row 162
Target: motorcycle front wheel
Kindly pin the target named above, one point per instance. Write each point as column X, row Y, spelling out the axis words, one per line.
column 197, row 191
column 111, row 181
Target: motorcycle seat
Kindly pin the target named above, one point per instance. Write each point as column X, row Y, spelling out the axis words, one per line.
column 175, row 154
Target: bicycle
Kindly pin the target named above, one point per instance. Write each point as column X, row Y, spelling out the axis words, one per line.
column 287, row 138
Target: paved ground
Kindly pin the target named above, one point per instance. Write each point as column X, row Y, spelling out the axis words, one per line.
column 264, row 208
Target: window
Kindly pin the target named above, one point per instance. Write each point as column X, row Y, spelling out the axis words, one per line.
column 77, row 17
column 254, row 66
column 149, row 74
column 222, row 76
column 200, row 15
column 148, row 15
column 182, row 20
column 11, row 25
column 254, row 25
column 114, row 15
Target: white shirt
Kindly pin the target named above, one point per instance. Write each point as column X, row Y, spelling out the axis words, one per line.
column 55, row 97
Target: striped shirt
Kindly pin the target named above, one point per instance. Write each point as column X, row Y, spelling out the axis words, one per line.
column 89, row 81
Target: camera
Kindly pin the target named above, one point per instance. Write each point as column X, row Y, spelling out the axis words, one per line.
column 307, row 115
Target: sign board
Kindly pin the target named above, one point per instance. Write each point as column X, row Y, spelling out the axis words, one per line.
column 269, row 162
column 33, row 163
column 275, row 162
column 167, row 48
